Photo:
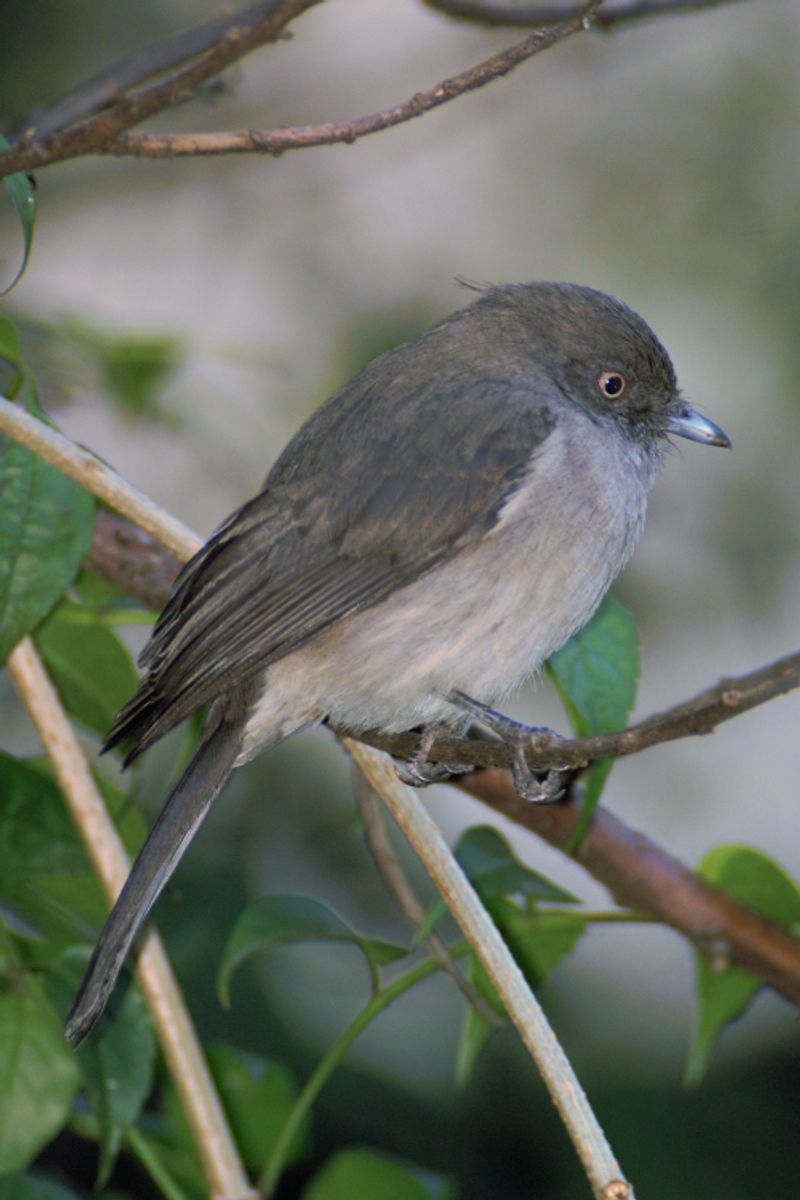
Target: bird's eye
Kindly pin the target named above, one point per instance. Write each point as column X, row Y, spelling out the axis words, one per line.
column 612, row 384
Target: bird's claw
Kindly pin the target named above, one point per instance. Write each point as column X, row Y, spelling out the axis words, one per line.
column 419, row 771
column 540, row 787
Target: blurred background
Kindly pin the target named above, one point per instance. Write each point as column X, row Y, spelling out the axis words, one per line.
column 183, row 318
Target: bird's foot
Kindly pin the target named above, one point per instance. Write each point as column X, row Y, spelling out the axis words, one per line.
column 419, row 771
column 541, row 787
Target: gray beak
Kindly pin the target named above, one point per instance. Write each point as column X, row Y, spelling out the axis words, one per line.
column 693, row 425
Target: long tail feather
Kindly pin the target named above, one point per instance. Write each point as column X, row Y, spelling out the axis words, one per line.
column 176, row 825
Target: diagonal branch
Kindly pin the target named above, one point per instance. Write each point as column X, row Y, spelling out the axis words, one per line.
column 278, row 141
column 109, row 86
column 641, row 875
column 106, row 133
column 511, row 12
column 249, row 30
column 409, row 812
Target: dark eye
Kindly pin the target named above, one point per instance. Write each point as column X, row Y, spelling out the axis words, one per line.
column 612, row 384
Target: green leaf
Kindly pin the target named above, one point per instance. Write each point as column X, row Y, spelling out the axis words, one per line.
column 596, row 675
column 367, row 1174
column 282, row 920
column 754, row 879
column 90, row 667
column 9, row 343
column 46, row 526
column 539, row 940
column 258, row 1096
column 21, row 190
column 493, row 869
column 33, row 1187
column 116, row 1063
column 475, row 1030
column 46, row 880
column 134, row 367
column 597, row 671
column 38, row 1073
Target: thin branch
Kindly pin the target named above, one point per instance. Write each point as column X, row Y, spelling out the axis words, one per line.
column 642, row 876
column 702, row 714
column 565, row 1090
column 97, row 478
column 278, row 141
column 242, row 35
column 110, row 85
column 514, row 13
column 172, row 1021
column 400, row 887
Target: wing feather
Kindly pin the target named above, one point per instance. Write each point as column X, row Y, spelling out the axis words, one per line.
column 349, row 514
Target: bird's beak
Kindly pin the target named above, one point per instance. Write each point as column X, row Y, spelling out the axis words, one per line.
column 693, row 425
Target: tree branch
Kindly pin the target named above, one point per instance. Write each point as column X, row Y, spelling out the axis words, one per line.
column 641, row 875
column 110, row 85
column 699, row 715
column 512, row 12
column 278, row 141
column 243, row 33
column 591, row 1145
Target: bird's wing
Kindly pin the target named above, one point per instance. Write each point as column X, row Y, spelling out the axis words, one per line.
column 349, row 514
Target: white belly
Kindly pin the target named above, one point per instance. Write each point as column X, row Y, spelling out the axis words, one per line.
column 485, row 620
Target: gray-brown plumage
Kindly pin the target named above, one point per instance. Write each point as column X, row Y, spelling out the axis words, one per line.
column 437, row 528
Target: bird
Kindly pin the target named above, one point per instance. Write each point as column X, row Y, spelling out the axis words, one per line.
column 426, row 540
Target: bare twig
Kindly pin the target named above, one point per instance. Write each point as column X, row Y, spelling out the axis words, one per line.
column 278, row 141
column 246, row 32
column 400, row 886
column 173, row 1024
column 110, row 85
column 522, row 1006
column 515, row 13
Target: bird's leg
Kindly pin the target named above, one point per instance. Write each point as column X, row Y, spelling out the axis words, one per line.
column 419, row 771
column 542, row 787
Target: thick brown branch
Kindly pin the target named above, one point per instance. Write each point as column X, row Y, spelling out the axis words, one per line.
column 642, row 876
column 243, row 33
column 509, row 12
column 133, row 560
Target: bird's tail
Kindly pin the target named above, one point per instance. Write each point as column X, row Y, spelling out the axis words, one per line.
column 176, row 825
